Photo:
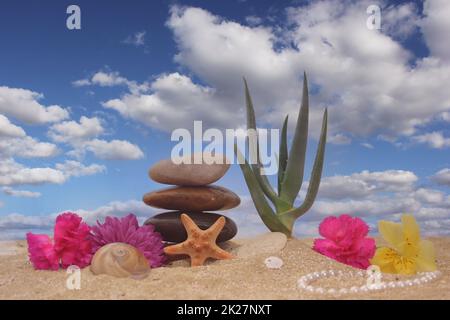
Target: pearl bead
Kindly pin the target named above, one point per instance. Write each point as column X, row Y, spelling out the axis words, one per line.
column 304, row 281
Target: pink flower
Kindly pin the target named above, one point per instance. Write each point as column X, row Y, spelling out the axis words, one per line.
column 127, row 230
column 41, row 252
column 72, row 243
column 345, row 241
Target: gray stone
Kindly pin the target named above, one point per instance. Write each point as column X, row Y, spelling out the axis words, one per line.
column 188, row 173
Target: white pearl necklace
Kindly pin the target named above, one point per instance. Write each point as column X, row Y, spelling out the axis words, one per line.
column 304, row 282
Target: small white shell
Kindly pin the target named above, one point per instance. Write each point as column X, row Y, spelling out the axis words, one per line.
column 120, row 260
column 273, row 263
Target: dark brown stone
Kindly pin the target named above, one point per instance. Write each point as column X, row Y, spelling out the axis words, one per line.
column 172, row 230
column 196, row 199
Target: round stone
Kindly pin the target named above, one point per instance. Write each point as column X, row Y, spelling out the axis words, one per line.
column 169, row 225
column 189, row 173
column 196, row 199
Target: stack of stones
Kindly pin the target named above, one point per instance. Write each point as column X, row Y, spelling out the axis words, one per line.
column 192, row 194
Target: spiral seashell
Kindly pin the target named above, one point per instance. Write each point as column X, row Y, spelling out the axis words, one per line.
column 120, row 260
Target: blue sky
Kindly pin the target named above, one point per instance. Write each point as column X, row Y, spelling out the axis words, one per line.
column 85, row 113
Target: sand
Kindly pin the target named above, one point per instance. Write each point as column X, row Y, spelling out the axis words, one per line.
column 242, row 278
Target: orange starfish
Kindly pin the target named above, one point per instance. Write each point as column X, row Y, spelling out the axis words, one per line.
column 200, row 244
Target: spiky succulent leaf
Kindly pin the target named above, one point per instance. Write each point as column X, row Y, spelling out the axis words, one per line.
column 316, row 174
column 282, row 160
column 256, row 167
column 293, row 176
column 262, row 206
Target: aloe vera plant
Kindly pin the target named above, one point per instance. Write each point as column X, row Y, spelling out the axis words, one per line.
column 281, row 215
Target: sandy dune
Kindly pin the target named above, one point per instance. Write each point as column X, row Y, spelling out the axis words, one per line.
column 242, row 278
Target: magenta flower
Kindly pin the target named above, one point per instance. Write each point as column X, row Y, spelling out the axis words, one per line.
column 72, row 243
column 127, row 230
column 41, row 252
column 345, row 241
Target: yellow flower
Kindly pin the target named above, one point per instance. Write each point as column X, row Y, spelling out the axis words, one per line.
column 407, row 253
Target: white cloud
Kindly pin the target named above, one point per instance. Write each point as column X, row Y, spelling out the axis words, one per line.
column 445, row 116
column 80, row 134
column 339, row 138
column 111, row 79
column 113, row 150
column 367, row 145
column 442, row 177
column 400, row 20
column 15, row 226
column 329, row 40
column 20, row 193
column 13, row 173
column 340, row 187
column 81, row 82
column 253, row 20
column 119, row 209
column 19, row 221
column 365, row 184
column 434, row 139
column 137, row 39
column 27, row 147
column 7, row 129
column 23, row 105
column 15, row 142
column 389, row 180
column 72, row 131
column 176, row 103
column 72, row 168
column 430, row 196
column 435, row 27
column 380, row 206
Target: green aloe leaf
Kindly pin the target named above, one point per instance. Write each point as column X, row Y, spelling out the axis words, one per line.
column 316, row 174
column 282, row 160
column 256, row 168
column 293, row 176
column 262, row 206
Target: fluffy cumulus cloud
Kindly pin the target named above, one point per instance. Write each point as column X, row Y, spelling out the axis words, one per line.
column 82, row 136
column 364, row 76
column 360, row 185
column 72, row 131
column 176, row 103
column 435, row 26
column 13, row 173
column 23, row 104
column 27, row 147
column 15, row 142
column 385, row 195
column 114, row 150
column 434, row 139
column 442, row 177
column 7, row 129
column 72, row 168
column 111, row 79
column 20, row 193
column 382, row 195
